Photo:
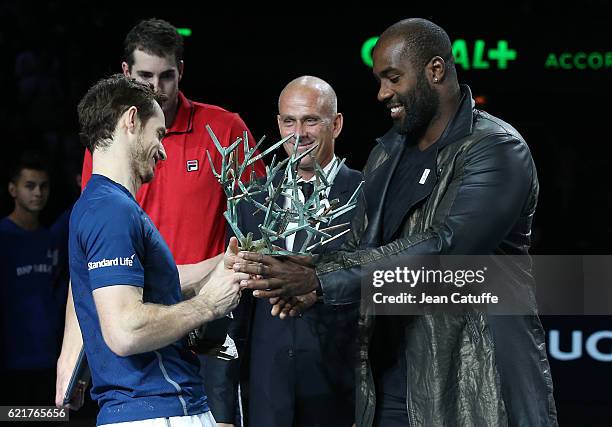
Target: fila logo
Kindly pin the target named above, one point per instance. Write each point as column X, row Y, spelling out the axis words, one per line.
column 192, row 165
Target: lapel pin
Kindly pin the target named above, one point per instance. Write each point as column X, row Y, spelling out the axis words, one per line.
column 424, row 176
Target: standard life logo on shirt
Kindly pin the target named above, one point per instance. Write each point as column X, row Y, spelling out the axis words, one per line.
column 126, row 261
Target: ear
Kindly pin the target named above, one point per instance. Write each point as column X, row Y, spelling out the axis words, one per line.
column 125, row 68
column 278, row 121
column 129, row 120
column 289, row 144
column 338, row 122
column 436, row 70
column 181, row 68
column 12, row 188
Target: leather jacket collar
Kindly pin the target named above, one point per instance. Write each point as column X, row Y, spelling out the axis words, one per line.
column 378, row 181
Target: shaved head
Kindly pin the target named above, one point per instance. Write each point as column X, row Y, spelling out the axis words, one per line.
column 308, row 110
column 422, row 41
column 325, row 93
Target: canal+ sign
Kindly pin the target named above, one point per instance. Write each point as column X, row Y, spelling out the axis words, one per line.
column 498, row 55
column 477, row 55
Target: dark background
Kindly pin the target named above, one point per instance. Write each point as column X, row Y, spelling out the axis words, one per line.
column 52, row 53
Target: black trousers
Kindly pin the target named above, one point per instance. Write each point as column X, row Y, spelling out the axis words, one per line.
column 302, row 369
column 390, row 411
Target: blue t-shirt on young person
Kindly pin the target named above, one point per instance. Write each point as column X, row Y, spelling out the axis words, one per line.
column 113, row 242
column 32, row 295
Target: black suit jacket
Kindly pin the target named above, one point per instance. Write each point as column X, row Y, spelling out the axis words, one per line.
column 222, row 394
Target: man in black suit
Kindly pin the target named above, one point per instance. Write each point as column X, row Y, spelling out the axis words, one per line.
column 299, row 371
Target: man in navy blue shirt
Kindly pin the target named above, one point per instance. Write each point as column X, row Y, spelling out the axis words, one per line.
column 32, row 293
column 125, row 283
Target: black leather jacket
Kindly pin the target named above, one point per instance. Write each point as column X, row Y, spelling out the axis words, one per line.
column 481, row 201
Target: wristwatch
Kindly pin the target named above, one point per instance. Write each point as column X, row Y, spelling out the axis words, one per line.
column 194, row 337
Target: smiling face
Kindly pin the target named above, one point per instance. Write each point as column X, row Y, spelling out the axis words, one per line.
column 404, row 89
column 148, row 149
column 305, row 112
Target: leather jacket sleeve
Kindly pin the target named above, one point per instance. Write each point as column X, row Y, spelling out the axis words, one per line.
column 488, row 191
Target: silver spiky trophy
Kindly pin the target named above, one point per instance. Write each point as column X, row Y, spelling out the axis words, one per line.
column 313, row 215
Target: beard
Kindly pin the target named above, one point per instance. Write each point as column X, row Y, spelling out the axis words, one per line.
column 420, row 107
column 140, row 162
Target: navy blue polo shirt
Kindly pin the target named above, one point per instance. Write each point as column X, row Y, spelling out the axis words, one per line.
column 113, row 242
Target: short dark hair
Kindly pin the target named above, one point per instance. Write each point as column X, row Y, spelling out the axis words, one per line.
column 30, row 159
column 154, row 36
column 422, row 41
column 105, row 102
